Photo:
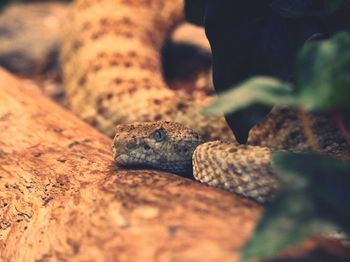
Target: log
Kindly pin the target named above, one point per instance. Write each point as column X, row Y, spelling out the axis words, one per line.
column 63, row 199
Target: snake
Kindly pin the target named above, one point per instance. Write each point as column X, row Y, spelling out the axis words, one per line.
column 173, row 147
column 112, row 74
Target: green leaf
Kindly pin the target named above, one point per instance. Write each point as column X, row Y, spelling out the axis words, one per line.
column 286, row 222
column 323, row 74
column 302, row 8
column 257, row 90
column 250, row 102
column 194, row 11
column 314, row 189
column 322, row 82
column 328, row 179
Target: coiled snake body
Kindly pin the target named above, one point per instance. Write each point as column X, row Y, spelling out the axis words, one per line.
column 112, row 75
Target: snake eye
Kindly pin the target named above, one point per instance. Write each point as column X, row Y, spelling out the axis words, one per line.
column 159, row 135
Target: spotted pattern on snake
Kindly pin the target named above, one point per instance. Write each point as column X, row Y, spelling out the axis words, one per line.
column 170, row 146
column 242, row 169
column 111, row 63
column 112, row 75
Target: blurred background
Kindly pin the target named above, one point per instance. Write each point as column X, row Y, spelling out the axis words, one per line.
column 30, row 32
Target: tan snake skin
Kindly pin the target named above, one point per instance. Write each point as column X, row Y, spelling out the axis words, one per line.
column 112, row 66
column 112, row 75
column 243, row 169
column 169, row 146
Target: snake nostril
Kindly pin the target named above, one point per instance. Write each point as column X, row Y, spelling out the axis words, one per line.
column 182, row 151
column 146, row 147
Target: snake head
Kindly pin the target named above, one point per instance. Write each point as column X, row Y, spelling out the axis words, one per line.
column 162, row 145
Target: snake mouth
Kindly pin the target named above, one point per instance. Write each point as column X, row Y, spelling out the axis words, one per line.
column 180, row 167
column 122, row 160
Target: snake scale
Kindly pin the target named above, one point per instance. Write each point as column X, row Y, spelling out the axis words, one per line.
column 111, row 63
